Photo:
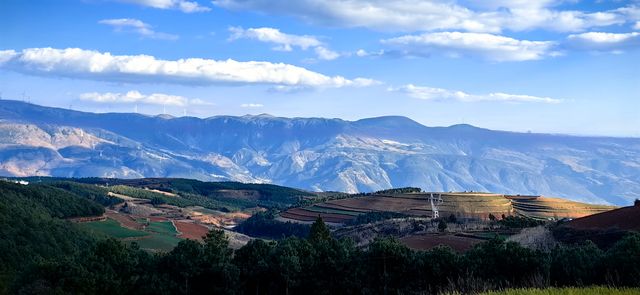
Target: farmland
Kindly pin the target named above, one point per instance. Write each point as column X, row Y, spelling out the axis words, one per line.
column 462, row 204
column 429, row 241
column 111, row 228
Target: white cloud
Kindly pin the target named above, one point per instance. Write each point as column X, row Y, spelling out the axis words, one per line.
column 604, row 42
column 182, row 5
column 408, row 15
column 455, row 44
column 636, row 26
column 89, row 64
column 137, row 97
column 138, row 27
column 440, row 94
column 283, row 41
column 326, row 54
column 251, row 105
column 424, row 15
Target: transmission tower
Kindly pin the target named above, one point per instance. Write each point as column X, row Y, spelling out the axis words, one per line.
column 435, row 200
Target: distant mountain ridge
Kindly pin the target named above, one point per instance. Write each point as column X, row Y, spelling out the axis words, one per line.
column 317, row 153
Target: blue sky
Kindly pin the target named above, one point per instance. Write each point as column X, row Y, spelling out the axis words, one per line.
column 542, row 66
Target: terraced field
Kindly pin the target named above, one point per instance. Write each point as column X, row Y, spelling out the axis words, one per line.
column 461, row 204
column 545, row 208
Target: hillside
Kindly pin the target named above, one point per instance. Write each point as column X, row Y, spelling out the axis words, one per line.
column 463, row 204
column 317, row 154
column 625, row 219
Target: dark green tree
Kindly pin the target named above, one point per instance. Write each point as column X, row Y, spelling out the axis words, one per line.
column 622, row 261
column 442, row 225
column 578, row 265
column 319, row 231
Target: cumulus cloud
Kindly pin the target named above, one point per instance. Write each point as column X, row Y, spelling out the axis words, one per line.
column 455, row 44
column 251, row 105
column 182, row 5
column 604, row 42
column 137, row 97
column 421, row 15
column 283, row 41
column 90, row 64
column 136, row 26
column 440, row 94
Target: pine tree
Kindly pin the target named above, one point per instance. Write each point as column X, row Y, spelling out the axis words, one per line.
column 319, row 231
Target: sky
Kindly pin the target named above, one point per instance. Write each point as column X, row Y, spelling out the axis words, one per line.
column 569, row 67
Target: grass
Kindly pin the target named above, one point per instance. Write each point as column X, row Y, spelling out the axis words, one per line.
column 111, row 228
column 163, row 237
column 568, row 291
column 158, row 236
column 162, row 227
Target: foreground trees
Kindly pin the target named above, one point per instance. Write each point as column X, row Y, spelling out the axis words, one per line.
column 321, row 264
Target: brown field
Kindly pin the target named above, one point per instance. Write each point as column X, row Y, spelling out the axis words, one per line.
column 429, row 241
column 190, row 230
column 340, row 207
column 627, row 218
column 478, row 205
column 304, row 215
column 374, row 203
column 124, row 219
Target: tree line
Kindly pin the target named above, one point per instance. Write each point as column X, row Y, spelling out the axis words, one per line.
column 320, row 264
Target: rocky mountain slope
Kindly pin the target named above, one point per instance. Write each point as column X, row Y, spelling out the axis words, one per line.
column 316, row 153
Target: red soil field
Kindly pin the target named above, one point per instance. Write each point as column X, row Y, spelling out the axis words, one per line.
column 190, row 230
column 627, row 218
column 429, row 241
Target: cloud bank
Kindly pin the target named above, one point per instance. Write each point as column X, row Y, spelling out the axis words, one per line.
column 440, row 94
column 425, row 15
column 137, row 97
column 456, row 44
column 90, row 64
column 604, row 42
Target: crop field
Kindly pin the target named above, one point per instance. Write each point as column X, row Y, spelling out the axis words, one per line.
column 163, row 236
column 301, row 214
column 429, row 241
column 190, row 230
column 462, row 204
column 157, row 236
column 111, row 228
column 544, row 208
column 125, row 220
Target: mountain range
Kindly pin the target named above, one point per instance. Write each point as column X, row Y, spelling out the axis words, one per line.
column 317, row 154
